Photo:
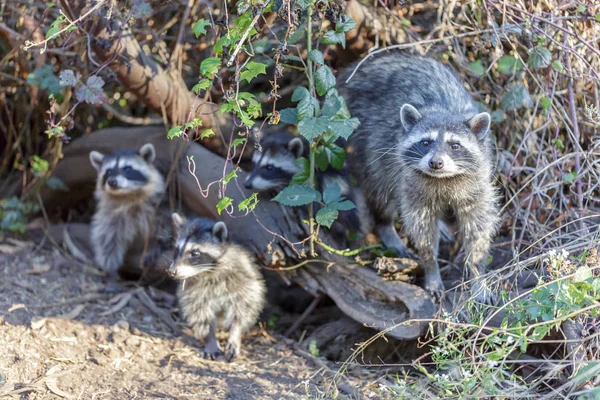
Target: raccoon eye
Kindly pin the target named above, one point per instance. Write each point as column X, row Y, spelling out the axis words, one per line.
column 195, row 253
column 269, row 167
column 425, row 143
column 456, row 146
column 127, row 168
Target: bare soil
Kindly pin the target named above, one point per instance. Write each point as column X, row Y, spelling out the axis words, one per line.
column 62, row 337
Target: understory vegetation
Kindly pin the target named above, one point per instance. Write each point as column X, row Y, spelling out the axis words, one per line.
column 271, row 64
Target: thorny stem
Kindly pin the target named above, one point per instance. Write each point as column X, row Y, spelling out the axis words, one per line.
column 348, row 252
column 311, row 88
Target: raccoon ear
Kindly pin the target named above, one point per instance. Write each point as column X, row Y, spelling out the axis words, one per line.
column 480, row 124
column 409, row 116
column 220, row 231
column 148, row 153
column 96, row 159
column 296, row 147
column 178, row 220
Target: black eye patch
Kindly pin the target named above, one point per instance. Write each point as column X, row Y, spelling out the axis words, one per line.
column 133, row 174
column 271, row 172
column 417, row 151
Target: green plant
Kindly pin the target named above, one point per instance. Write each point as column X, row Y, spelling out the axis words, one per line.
column 14, row 213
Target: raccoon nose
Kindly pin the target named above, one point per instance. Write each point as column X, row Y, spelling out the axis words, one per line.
column 112, row 182
column 248, row 184
column 436, row 163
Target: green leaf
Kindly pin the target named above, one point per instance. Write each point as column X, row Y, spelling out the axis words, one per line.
column 223, row 204
column 253, row 69
column 303, row 4
column 557, row 66
column 91, row 92
column 210, row 66
column 497, row 115
column 289, row 116
column 326, row 216
column 203, row 84
column 570, row 177
column 332, row 192
column 324, row 80
column 196, row 122
column 55, row 183
column 199, row 27
column 517, row 96
column 316, row 56
column 330, row 154
column 509, row 65
column 342, row 205
column 229, row 176
column 39, row 165
column 312, row 127
column 140, row 8
column 477, row 68
column 224, row 41
column 249, row 203
column 335, row 105
column 56, row 26
column 558, row 143
column 344, row 127
column 297, row 196
column 598, row 17
column 56, row 131
column 545, row 102
column 238, row 141
column 539, row 58
column 301, row 177
column 300, row 93
column 67, row 78
column 174, row 132
column 333, row 37
column 344, row 24
column 46, row 80
column 207, row 133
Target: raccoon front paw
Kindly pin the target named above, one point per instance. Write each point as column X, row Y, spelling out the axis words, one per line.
column 211, row 353
column 435, row 288
column 231, row 351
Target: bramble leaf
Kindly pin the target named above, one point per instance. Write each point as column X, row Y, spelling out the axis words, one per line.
column 249, row 203
column 344, row 24
column 312, row 127
column 207, row 133
column 289, row 116
column 326, row 216
column 332, row 193
column 539, row 58
column 509, row 65
column 229, row 176
column 517, row 96
column 301, row 177
column 316, row 56
column 477, row 68
column 344, row 127
column 324, row 80
column 297, row 195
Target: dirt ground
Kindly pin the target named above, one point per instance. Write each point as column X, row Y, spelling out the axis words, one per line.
column 62, row 337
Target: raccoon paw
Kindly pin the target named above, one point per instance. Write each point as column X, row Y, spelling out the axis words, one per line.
column 212, row 351
column 231, row 351
column 435, row 288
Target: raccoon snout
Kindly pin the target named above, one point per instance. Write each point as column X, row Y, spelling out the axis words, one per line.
column 112, row 182
column 436, row 163
column 248, row 184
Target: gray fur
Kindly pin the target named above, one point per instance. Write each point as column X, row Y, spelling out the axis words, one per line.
column 124, row 215
column 422, row 149
column 221, row 284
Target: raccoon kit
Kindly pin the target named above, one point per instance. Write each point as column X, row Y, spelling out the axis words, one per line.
column 221, row 284
column 423, row 147
column 274, row 167
column 128, row 189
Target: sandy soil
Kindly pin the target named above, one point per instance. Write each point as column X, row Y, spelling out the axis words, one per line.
column 61, row 337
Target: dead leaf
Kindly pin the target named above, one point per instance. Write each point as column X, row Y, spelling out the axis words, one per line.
column 51, row 383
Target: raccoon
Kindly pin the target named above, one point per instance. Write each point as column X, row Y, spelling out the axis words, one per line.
column 423, row 149
column 274, row 167
column 221, row 284
column 127, row 191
